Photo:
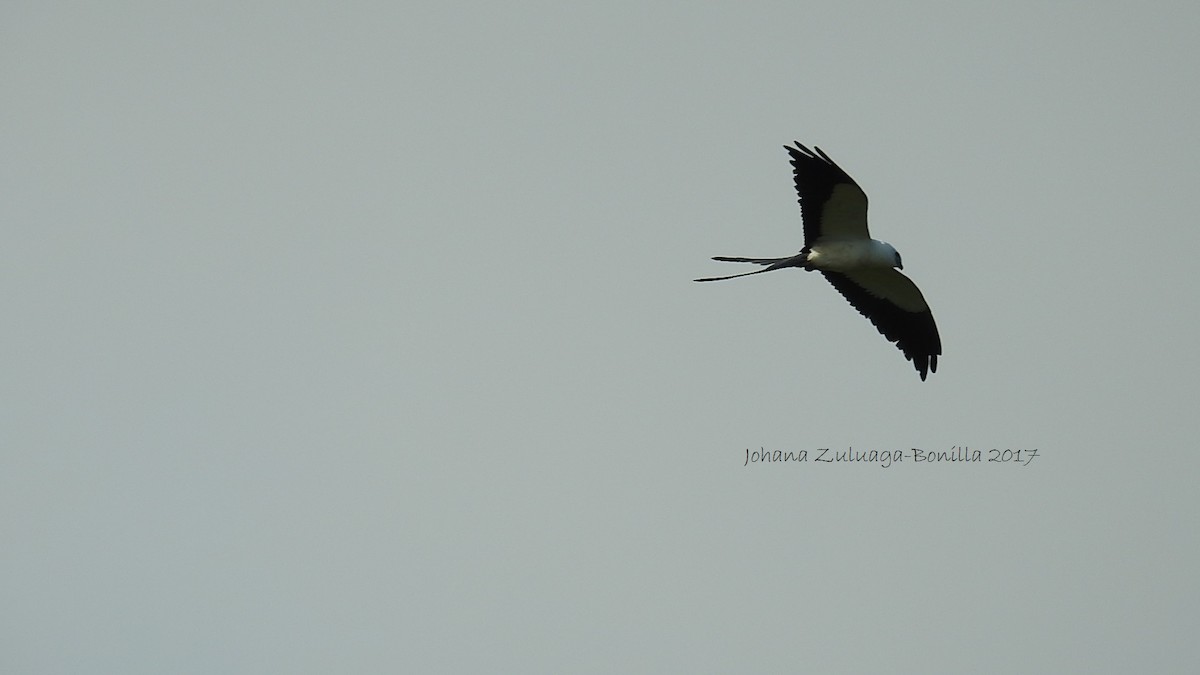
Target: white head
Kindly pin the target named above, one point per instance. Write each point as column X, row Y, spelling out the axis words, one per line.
column 887, row 254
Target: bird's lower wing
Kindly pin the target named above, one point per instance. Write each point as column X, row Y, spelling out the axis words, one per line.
column 894, row 304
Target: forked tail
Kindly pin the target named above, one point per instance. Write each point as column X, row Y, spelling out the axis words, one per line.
column 756, row 261
column 772, row 264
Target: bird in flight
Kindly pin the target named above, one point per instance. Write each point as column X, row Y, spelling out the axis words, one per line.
column 862, row 269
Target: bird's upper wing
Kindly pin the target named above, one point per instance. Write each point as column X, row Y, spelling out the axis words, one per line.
column 895, row 305
column 831, row 203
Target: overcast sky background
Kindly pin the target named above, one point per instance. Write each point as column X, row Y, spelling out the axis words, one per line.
column 361, row 337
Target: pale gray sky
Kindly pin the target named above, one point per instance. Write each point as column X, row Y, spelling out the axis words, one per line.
column 361, row 337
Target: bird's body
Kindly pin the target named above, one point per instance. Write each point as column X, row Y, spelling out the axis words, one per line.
column 846, row 255
column 862, row 269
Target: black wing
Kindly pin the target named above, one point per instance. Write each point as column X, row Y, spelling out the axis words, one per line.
column 832, row 204
column 895, row 305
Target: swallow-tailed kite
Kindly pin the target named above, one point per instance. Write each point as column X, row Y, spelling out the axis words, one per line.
column 837, row 244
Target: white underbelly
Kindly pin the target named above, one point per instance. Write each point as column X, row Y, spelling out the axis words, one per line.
column 850, row 255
